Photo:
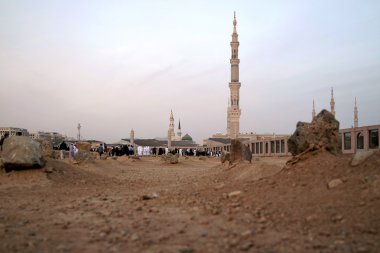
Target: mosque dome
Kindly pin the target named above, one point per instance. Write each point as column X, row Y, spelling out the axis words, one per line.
column 187, row 137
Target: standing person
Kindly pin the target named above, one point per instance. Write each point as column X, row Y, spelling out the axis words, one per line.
column 75, row 149
column 100, row 149
column 6, row 135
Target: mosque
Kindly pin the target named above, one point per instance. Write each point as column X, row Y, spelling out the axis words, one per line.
column 173, row 140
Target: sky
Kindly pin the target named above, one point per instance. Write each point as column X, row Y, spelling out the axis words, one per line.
column 116, row 65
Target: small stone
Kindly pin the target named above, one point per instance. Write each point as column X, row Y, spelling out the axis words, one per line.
column 246, row 233
column 262, row 220
column 48, row 170
column 361, row 156
column 336, row 218
column 363, row 249
column 185, row 250
column 154, row 195
column 135, row 237
column 334, row 183
column 247, row 246
column 234, row 193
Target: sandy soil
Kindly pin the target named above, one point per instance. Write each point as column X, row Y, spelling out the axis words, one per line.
column 197, row 205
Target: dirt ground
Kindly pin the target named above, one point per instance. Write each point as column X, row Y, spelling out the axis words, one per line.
column 146, row 205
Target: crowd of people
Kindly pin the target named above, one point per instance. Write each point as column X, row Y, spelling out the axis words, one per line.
column 128, row 150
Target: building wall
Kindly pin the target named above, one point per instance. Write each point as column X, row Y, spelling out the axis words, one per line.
column 12, row 131
column 359, row 138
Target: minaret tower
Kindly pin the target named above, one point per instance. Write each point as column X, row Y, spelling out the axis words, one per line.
column 179, row 133
column 171, row 125
column 132, row 137
column 313, row 112
column 332, row 102
column 234, row 112
column 228, row 116
column 356, row 120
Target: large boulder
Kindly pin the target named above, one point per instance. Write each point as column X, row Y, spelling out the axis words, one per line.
column 239, row 152
column 22, row 152
column 321, row 133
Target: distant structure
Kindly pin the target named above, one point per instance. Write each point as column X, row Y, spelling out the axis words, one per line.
column 332, row 102
column 79, row 126
column 233, row 110
column 260, row 144
column 172, row 141
column 313, row 111
column 179, row 133
column 173, row 135
column 13, row 131
column 132, row 137
column 356, row 120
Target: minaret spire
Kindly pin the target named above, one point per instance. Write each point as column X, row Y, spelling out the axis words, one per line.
column 356, row 120
column 313, row 112
column 179, row 133
column 233, row 111
column 332, row 102
column 171, row 124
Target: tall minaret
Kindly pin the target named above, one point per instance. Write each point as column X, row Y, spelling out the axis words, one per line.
column 228, row 117
column 179, row 133
column 356, row 120
column 171, row 124
column 132, row 137
column 234, row 112
column 313, row 112
column 332, row 102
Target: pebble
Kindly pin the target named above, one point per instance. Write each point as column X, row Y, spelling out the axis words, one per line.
column 185, row 249
column 246, row 233
column 135, row 237
column 363, row 249
column 334, row 183
column 247, row 246
column 234, row 194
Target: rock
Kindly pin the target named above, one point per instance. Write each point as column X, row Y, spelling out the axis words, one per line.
column 246, row 233
column 239, row 152
column 83, row 146
column 234, row 194
column 47, row 148
column 246, row 246
column 84, row 156
column 48, row 170
column 368, row 179
column 174, row 159
column 135, row 237
column 225, row 157
column 322, row 132
column 154, row 195
column 185, row 250
column 170, row 158
column 22, row 152
column 361, row 156
column 334, row 183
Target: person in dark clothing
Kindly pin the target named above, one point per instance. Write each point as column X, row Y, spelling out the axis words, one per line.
column 6, row 135
column 63, row 146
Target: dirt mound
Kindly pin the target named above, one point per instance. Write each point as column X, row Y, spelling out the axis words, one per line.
column 197, row 206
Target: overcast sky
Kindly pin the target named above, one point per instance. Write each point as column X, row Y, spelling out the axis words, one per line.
column 117, row 65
